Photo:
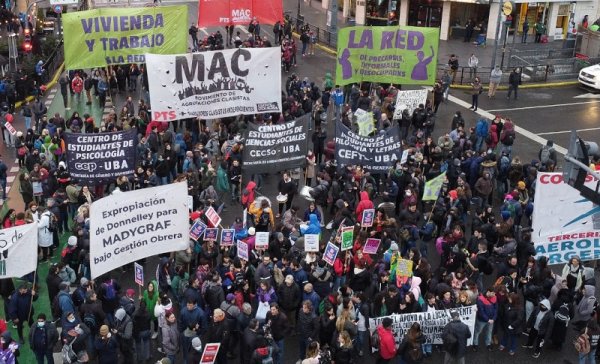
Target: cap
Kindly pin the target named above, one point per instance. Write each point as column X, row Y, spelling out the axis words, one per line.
column 394, row 246
column 230, row 296
column 251, row 231
column 84, row 281
column 72, row 241
column 130, row 292
column 103, row 330
column 197, row 343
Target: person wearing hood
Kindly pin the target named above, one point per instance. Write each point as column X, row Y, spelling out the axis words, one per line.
column 9, row 349
column 222, row 184
column 364, row 204
column 540, row 324
column 248, row 194
column 575, row 269
column 42, row 337
column 314, row 226
column 123, row 330
column 585, row 307
column 487, row 311
column 150, row 296
column 209, row 197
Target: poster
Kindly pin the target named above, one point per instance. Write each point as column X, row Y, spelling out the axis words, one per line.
column 311, row 242
column 197, row 229
column 18, row 250
column 404, row 268
column 409, row 100
column 242, row 250
column 347, row 237
column 100, row 158
column 227, row 237
column 365, row 122
column 432, row 323
column 432, row 188
column 565, row 223
column 211, row 234
column 139, row 274
column 239, row 12
column 209, row 355
column 397, row 55
column 109, row 36
column 133, row 225
column 330, row 254
column 368, row 217
column 375, row 154
column 273, row 148
column 371, row 246
column 262, row 240
column 212, row 216
column 215, row 84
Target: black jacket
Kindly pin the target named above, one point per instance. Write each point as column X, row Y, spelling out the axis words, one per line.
column 545, row 328
column 462, row 333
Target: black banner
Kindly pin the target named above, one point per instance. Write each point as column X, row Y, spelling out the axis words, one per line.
column 376, row 154
column 100, row 158
column 273, row 148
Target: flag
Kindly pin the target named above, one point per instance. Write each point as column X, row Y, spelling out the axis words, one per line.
column 18, row 250
column 364, row 120
column 433, row 187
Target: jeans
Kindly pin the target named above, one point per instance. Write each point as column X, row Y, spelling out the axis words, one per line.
column 278, row 357
column 509, row 340
column 142, row 345
column 512, row 88
column 337, row 111
column 528, row 309
column 589, row 358
column 360, row 341
column 39, row 356
column 474, row 101
column 427, row 349
column 485, row 328
column 302, row 345
column 27, row 122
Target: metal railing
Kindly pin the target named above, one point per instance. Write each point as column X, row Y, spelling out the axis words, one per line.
column 323, row 35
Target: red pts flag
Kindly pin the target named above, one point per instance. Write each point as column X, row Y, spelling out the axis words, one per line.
column 224, row 12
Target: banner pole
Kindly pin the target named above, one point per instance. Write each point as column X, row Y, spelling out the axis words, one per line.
column 32, row 295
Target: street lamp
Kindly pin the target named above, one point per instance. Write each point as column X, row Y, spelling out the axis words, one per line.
column 506, row 8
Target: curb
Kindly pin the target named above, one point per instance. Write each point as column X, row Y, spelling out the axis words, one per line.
column 325, row 49
column 49, row 85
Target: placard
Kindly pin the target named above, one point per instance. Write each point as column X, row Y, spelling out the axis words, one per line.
column 368, row 216
column 404, row 268
column 375, row 154
column 209, row 355
column 138, row 273
column 331, row 252
column 311, row 242
column 347, row 238
column 101, row 157
column 371, row 246
column 287, row 142
column 197, row 229
column 215, row 84
column 242, row 250
column 18, row 250
column 409, row 100
column 227, row 237
column 212, row 216
column 239, row 12
column 11, row 129
column 211, row 234
column 133, row 225
column 262, row 240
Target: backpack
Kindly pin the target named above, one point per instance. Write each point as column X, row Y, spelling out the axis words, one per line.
column 415, row 352
column 89, row 319
column 582, row 343
column 545, row 154
column 375, row 340
column 55, row 307
column 562, row 314
column 487, row 267
column 183, row 286
column 109, row 290
column 68, row 354
column 268, row 359
column 52, row 222
column 450, row 341
column 264, row 219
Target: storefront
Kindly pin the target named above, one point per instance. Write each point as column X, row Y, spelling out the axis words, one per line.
column 462, row 12
column 425, row 13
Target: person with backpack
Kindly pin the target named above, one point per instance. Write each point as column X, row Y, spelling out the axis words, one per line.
column 383, row 337
column 109, row 296
column 123, row 331
column 265, row 351
column 45, row 235
column 508, row 135
column 63, row 302
column 454, row 339
column 547, row 156
column 540, row 327
column 410, row 350
column 591, row 334
column 106, row 346
column 585, row 308
column 42, row 337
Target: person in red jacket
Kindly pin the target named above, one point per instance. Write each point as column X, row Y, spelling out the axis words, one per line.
column 364, row 204
column 387, row 344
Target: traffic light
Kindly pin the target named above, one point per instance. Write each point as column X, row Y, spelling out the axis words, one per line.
column 576, row 169
column 27, row 46
column 27, row 42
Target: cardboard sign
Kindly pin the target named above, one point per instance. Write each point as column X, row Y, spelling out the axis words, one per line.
column 227, row 236
column 242, row 250
column 139, row 274
column 347, row 237
column 213, row 217
column 197, row 230
column 368, row 216
column 311, row 242
column 211, row 234
column 262, row 240
column 10, row 128
column 331, row 252
column 371, row 246
column 209, row 355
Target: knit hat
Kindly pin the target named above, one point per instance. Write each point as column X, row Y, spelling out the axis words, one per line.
column 120, row 314
column 289, row 278
column 197, row 344
column 72, row 241
column 230, row 296
column 453, row 194
column 394, row 246
column 84, row 281
column 103, row 330
column 130, row 292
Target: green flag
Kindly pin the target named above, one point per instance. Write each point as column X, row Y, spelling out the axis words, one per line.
column 364, row 120
column 433, row 187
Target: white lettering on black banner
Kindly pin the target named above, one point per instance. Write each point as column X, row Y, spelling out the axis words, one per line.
column 376, row 154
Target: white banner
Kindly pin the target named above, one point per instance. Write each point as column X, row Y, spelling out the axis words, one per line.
column 215, row 84
column 133, row 225
column 410, row 100
column 565, row 223
column 18, row 250
column 432, row 323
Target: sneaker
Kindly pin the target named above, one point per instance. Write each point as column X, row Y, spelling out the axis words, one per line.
column 511, row 353
column 160, row 350
column 527, row 346
column 501, row 348
column 360, row 353
column 536, row 355
column 490, row 348
column 154, row 335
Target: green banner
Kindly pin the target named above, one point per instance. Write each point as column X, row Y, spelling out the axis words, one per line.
column 101, row 37
column 399, row 55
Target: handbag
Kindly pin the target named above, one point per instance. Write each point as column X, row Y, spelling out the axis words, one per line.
column 261, row 313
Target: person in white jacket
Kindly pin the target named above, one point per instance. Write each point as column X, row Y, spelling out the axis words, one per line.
column 495, row 78
column 473, row 63
column 45, row 236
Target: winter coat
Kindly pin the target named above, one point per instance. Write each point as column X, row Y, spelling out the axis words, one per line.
column 513, row 319
column 170, row 338
column 364, row 204
column 19, row 305
column 462, row 333
column 387, row 344
column 107, row 350
column 289, row 296
column 308, row 325
column 487, row 308
column 151, row 300
column 585, row 308
column 45, row 236
column 51, row 335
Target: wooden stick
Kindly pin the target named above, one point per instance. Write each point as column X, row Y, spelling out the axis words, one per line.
column 33, row 288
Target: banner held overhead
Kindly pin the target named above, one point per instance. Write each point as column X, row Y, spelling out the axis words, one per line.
column 215, row 84
column 107, row 36
column 375, row 154
column 399, row 55
column 129, row 226
column 238, row 12
column 18, row 250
